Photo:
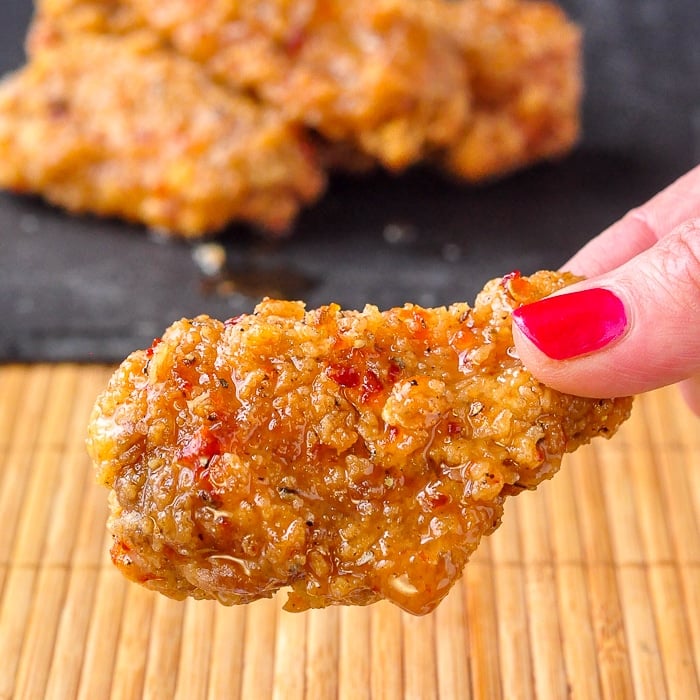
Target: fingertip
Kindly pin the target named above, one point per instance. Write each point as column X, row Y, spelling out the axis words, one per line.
column 591, row 376
column 573, row 323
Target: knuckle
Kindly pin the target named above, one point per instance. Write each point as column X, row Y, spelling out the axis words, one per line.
column 645, row 223
column 680, row 259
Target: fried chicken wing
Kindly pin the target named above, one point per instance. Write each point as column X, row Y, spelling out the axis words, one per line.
column 525, row 67
column 370, row 73
column 478, row 87
column 57, row 21
column 352, row 456
column 119, row 127
column 487, row 85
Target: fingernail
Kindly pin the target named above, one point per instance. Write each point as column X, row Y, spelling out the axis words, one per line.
column 570, row 325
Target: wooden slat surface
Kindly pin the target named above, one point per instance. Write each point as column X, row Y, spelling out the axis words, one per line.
column 590, row 589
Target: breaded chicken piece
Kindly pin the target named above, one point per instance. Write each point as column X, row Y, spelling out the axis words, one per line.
column 524, row 59
column 481, row 86
column 114, row 126
column 56, row 21
column 369, row 73
column 352, row 456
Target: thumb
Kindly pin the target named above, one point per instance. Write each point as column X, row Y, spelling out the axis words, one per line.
column 629, row 330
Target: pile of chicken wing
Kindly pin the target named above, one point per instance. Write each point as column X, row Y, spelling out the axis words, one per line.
column 185, row 116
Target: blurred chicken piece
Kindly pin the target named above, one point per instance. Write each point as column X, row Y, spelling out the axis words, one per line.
column 482, row 86
column 353, row 456
column 524, row 61
column 118, row 127
column 56, row 21
column 369, row 73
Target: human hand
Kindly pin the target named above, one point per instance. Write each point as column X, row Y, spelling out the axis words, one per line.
column 634, row 324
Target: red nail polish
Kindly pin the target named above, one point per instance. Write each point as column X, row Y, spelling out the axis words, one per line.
column 569, row 325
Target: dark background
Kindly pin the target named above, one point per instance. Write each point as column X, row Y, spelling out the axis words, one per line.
column 87, row 289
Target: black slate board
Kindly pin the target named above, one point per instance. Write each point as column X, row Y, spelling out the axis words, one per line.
column 87, row 289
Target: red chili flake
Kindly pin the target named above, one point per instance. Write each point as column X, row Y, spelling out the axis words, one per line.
column 454, row 428
column 516, row 285
column 437, row 499
column 393, row 432
column 393, row 372
column 431, row 499
column 345, row 375
column 514, row 275
column 371, row 385
column 149, row 351
column 200, row 448
column 294, row 42
column 233, row 320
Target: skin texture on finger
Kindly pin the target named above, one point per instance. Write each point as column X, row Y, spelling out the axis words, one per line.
column 660, row 290
column 640, row 228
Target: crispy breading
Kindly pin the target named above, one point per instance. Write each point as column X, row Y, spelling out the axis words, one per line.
column 371, row 73
column 118, row 127
column 353, row 456
column 478, row 87
column 482, row 86
column 524, row 59
column 56, row 21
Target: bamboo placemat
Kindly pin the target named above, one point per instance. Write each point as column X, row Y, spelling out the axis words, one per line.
column 591, row 588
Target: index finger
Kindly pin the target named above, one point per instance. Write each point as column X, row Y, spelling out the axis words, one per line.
column 640, row 228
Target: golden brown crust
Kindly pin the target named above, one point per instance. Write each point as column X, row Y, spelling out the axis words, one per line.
column 525, row 64
column 353, row 456
column 481, row 86
column 478, row 87
column 120, row 127
column 370, row 73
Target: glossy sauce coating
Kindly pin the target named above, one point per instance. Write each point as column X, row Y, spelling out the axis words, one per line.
column 353, row 456
column 121, row 126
